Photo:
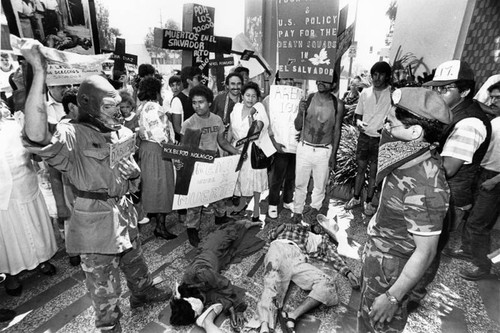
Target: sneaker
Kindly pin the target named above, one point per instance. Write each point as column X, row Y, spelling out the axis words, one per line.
column 288, row 206
column 474, row 274
column 272, row 212
column 144, row 221
column 352, row 203
column 151, row 295
column 115, row 329
column 369, row 209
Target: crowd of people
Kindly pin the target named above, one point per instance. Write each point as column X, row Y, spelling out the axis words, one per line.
column 431, row 156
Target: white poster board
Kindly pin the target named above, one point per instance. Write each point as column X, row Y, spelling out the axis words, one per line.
column 210, row 182
column 59, row 75
column 283, row 108
column 120, row 150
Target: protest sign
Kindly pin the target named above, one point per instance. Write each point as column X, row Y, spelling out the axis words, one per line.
column 307, row 38
column 58, row 75
column 210, row 182
column 283, row 108
column 120, row 150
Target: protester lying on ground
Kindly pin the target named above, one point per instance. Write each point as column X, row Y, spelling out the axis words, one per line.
column 291, row 247
column 203, row 287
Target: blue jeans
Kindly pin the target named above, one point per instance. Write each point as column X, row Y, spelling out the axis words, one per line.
column 282, row 169
column 476, row 235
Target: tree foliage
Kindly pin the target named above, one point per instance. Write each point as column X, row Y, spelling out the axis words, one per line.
column 107, row 34
column 149, row 40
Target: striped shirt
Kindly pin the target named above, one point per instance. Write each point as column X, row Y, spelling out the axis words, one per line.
column 465, row 139
column 326, row 251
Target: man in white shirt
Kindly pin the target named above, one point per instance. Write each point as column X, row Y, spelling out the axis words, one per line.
column 373, row 107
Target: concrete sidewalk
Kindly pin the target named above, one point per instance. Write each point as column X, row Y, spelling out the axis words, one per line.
column 61, row 304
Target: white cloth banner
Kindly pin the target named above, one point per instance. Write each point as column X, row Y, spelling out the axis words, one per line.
column 283, row 108
column 210, row 182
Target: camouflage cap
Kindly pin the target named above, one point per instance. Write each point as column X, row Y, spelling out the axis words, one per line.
column 423, row 103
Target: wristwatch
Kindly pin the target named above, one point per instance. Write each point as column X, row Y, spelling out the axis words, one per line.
column 393, row 300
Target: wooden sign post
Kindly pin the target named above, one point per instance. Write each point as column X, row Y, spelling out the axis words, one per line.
column 120, row 56
column 196, row 39
column 219, row 63
column 189, row 153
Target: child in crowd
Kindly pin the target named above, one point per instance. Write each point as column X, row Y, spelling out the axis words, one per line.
column 127, row 109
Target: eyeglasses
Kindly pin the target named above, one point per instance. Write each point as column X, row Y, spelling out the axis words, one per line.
column 444, row 89
column 388, row 126
column 495, row 98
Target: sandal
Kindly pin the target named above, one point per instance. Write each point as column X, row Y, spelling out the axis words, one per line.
column 285, row 321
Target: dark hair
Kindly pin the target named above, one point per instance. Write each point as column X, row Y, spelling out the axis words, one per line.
column 233, row 74
column 382, row 67
column 251, row 85
column 494, row 86
column 69, row 96
column 463, row 85
column 146, row 69
column 189, row 73
column 241, row 69
column 149, row 87
column 433, row 129
column 174, row 79
column 126, row 97
column 201, row 90
column 182, row 312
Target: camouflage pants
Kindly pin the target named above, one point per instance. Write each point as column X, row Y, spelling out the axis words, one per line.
column 379, row 273
column 284, row 263
column 102, row 276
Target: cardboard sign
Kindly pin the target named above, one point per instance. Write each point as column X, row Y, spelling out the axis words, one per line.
column 58, row 75
column 185, row 40
column 209, row 183
column 307, row 39
column 120, row 150
column 252, row 137
column 222, row 62
column 178, row 152
column 283, row 108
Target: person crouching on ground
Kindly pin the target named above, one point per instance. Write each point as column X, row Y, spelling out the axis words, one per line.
column 404, row 233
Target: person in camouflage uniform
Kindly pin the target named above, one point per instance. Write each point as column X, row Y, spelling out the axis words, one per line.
column 103, row 224
column 404, row 233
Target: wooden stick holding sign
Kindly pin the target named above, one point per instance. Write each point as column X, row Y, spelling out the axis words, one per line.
column 189, row 153
column 246, row 142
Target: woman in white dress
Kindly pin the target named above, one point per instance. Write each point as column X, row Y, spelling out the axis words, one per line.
column 251, row 182
column 26, row 234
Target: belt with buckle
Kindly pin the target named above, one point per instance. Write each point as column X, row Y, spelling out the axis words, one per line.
column 316, row 145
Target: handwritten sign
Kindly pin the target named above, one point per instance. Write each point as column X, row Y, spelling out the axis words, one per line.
column 209, row 183
column 179, row 152
column 58, row 75
column 185, row 40
column 307, row 38
column 252, row 137
column 283, row 108
column 120, row 150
